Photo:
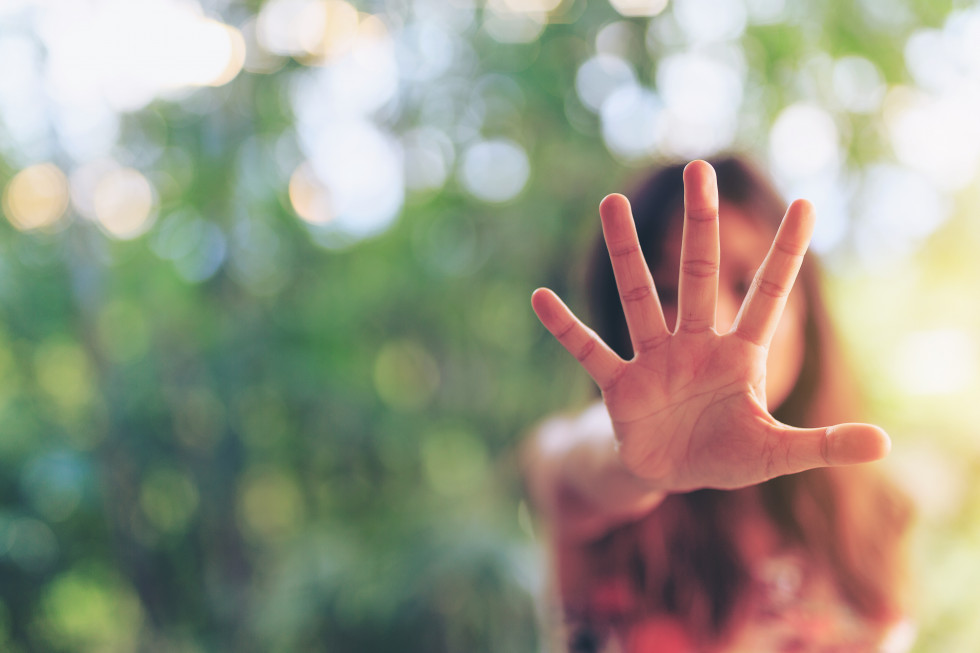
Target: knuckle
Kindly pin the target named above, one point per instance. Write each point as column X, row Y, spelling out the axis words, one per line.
column 624, row 249
column 613, row 380
column 585, row 350
column 564, row 331
column 770, row 451
column 750, row 335
column 796, row 251
column 699, row 268
column 636, row 294
column 702, row 213
column 772, row 288
column 694, row 327
column 645, row 345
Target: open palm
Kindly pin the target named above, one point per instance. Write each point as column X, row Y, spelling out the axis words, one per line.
column 689, row 410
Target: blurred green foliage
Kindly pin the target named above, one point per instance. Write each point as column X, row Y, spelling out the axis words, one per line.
column 316, row 449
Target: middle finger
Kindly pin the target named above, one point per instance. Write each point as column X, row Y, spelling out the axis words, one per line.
column 697, row 291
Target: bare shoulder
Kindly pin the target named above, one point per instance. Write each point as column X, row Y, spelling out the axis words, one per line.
column 557, row 432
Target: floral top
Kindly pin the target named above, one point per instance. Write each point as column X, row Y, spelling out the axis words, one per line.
column 793, row 609
column 790, row 609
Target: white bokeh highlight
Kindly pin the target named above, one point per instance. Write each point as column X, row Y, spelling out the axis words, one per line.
column 494, row 170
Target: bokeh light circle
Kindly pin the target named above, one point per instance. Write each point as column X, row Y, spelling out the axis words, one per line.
column 858, row 85
column 328, row 29
column 803, row 142
column 36, row 197
column 123, row 202
column 429, row 155
column 309, row 197
column 495, row 170
column 631, row 121
column 599, row 77
column 639, row 7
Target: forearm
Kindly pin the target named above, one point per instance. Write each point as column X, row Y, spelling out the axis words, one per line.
column 578, row 481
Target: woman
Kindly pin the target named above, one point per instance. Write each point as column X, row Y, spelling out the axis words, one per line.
column 686, row 514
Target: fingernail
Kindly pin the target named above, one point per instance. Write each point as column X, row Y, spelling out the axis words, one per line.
column 846, row 446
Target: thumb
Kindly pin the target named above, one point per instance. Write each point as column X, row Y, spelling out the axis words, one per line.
column 843, row 444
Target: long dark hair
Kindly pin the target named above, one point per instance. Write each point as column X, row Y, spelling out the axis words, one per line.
column 681, row 560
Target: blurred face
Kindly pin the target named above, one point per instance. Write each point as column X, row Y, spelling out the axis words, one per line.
column 744, row 244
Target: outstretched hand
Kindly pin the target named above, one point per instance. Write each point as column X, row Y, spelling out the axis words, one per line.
column 689, row 410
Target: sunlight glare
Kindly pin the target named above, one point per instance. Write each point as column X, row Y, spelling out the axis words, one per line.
column 937, row 362
column 937, row 135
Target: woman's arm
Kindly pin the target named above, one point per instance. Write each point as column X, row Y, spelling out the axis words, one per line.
column 577, row 480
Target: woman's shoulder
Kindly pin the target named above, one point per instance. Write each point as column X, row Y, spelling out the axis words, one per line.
column 557, row 431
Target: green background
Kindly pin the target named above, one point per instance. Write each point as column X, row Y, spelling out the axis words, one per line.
column 315, row 448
